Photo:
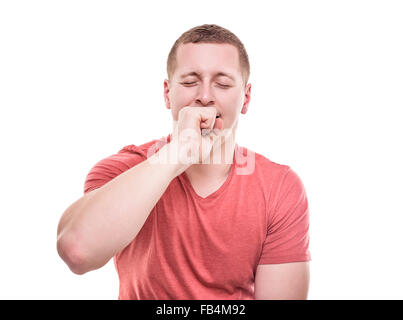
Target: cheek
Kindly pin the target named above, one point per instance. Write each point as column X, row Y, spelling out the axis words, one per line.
column 230, row 95
column 232, row 103
column 182, row 96
column 179, row 98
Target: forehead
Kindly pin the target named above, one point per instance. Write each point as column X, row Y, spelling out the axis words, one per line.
column 208, row 58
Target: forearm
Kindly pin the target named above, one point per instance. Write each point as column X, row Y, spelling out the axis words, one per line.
column 101, row 223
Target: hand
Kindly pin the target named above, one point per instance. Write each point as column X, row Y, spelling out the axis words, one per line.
column 196, row 132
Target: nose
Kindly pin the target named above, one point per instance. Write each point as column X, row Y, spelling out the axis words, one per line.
column 205, row 96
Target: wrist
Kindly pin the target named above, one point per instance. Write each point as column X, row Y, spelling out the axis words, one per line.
column 169, row 156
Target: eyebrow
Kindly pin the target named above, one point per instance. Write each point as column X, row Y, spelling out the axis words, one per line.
column 196, row 74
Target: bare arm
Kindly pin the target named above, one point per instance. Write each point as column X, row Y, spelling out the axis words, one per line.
column 285, row 281
column 104, row 221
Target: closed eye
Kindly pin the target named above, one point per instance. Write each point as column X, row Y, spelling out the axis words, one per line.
column 224, row 86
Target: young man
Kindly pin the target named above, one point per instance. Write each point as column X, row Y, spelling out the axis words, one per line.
column 193, row 215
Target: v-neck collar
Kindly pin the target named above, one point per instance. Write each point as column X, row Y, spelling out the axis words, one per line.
column 185, row 180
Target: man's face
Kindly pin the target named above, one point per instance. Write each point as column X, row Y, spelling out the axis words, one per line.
column 208, row 74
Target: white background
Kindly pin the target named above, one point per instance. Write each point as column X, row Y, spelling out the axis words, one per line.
column 81, row 79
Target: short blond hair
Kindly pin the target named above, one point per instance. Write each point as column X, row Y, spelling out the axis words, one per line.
column 210, row 33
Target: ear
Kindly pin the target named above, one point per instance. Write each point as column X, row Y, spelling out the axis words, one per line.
column 166, row 94
column 247, row 99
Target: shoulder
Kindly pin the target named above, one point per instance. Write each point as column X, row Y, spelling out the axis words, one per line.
column 263, row 166
column 275, row 178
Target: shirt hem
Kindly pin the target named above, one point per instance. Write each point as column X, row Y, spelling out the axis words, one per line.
column 286, row 259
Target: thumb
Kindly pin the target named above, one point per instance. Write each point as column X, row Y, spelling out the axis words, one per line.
column 218, row 124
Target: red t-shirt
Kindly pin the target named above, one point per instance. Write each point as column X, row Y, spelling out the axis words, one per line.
column 195, row 248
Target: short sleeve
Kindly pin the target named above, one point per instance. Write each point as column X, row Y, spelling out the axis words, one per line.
column 287, row 238
column 112, row 166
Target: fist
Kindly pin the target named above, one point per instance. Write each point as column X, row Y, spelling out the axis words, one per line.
column 196, row 132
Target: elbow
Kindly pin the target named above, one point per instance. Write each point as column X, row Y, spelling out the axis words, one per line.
column 73, row 256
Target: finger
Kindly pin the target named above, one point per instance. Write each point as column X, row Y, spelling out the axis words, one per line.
column 204, row 125
column 218, row 124
column 207, row 116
